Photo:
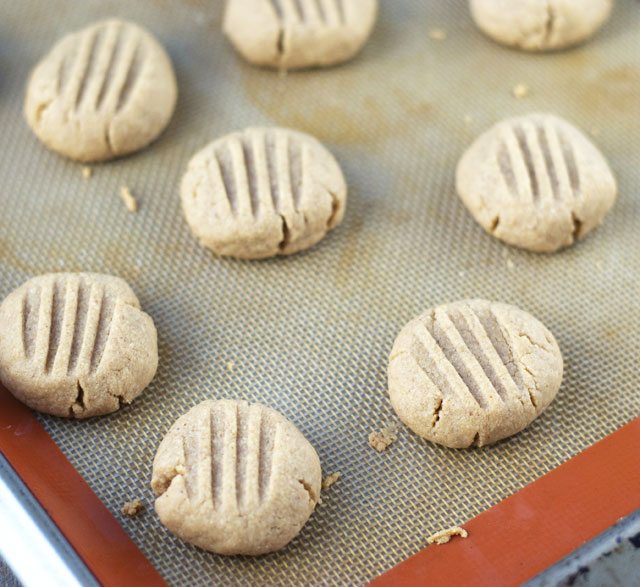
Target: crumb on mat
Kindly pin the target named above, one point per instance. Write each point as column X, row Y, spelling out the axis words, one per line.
column 444, row 536
column 329, row 480
column 438, row 34
column 132, row 508
column 128, row 199
column 230, row 365
column 520, row 91
column 87, row 172
column 382, row 440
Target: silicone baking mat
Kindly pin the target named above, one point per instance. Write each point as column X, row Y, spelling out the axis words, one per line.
column 310, row 335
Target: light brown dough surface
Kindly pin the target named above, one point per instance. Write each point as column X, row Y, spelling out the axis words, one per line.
column 540, row 25
column 76, row 344
column 132, row 508
column 473, row 372
column 263, row 192
column 444, row 536
column 235, row 478
column 294, row 34
column 102, row 92
column 383, row 439
column 536, row 182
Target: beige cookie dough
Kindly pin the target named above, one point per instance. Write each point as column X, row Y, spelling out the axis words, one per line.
column 383, row 439
column 540, row 25
column 536, row 182
column 101, row 92
column 235, row 478
column 132, row 508
column 445, row 536
column 263, row 192
column 473, row 372
column 330, row 480
column 295, row 34
column 76, row 344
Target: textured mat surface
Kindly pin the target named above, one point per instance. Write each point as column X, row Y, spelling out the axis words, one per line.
column 310, row 335
column 7, row 578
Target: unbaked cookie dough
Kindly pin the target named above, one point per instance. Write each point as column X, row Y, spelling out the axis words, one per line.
column 235, row 478
column 473, row 372
column 102, row 92
column 76, row 344
column 295, row 34
column 263, row 192
column 536, row 182
column 540, row 25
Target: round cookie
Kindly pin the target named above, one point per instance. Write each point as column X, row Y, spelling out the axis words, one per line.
column 102, row 92
column 540, row 25
column 536, row 182
column 235, row 478
column 76, row 344
column 263, row 192
column 473, row 372
column 295, row 34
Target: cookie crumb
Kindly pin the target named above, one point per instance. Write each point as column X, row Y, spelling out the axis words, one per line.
column 87, row 172
column 510, row 265
column 329, row 480
column 128, row 199
column 132, row 508
column 382, row 440
column 230, row 365
column 444, row 536
column 438, row 34
column 520, row 91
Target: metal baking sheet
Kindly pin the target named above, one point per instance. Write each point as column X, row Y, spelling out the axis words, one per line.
column 310, row 335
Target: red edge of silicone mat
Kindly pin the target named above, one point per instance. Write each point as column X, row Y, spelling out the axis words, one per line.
column 508, row 544
column 92, row 531
column 539, row 525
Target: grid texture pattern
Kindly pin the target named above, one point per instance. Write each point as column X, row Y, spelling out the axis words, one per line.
column 310, row 335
